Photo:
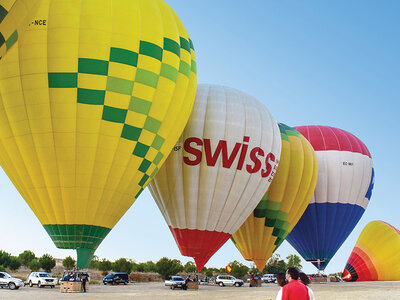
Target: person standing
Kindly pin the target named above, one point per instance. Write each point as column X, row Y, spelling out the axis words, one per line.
column 304, row 279
column 294, row 290
column 84, row 279
column 281, row 281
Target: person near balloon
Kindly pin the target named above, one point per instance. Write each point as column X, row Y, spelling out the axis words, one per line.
column 304, row 279
column 281, row 281
column 84, row 280
column 294, row 290
column 253, row 281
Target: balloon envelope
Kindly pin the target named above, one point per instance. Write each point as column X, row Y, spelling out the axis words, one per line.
column 93, row 101
column 15, row 16
column 344, row 186
column 283, row 204
column 219, row 169
column 376, row 255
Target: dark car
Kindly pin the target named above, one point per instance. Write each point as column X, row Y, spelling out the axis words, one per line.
column 116, row 278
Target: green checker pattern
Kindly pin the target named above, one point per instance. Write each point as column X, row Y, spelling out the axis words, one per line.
column 287, row 131
column 11, row 40
column 125, row 87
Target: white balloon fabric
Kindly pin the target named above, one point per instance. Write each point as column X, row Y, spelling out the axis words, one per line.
column 219, row 170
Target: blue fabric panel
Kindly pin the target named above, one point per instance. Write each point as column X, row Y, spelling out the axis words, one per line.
column 322, row 230
column 371, row 185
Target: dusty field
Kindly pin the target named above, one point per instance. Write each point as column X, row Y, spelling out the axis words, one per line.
column 157, row 290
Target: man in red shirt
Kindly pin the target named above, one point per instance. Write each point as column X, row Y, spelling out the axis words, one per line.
column 294, row 290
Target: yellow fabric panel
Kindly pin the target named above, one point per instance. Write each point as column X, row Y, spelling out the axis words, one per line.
column 18, row 17
column 381, row 242
column 67, row 158
column 308, row 181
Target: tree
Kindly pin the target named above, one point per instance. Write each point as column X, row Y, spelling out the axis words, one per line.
column 253, row 269
column 146, row 267
column 150, row 267
column 239, row 270
column 190, row 267
column 122, row 265
column 34, row 265
column 275, row 265
column 293, row 260
column 167, row 267
column 68, row 262
column 14, row 263
column 4, row 258
column 47, row 262
column 26, row 257
column 105, row 265
column 209, row 272
column 94, row 264
column 2, row 269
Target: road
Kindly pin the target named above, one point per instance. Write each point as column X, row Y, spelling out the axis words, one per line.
column 157, row 290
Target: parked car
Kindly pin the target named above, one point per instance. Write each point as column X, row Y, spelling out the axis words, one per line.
column 223, row 280
column 269, row 278
column 6, row 280
column 176, row 282
column 41, row 279
column 116, row 278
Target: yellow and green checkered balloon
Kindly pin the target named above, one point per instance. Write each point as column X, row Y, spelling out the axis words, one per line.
column 15, row 16
column 284, row 203
column 94, row 95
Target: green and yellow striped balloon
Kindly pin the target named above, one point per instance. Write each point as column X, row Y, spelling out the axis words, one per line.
column 93, row 101
column 284, row 203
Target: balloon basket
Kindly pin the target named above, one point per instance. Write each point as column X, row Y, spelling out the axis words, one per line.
column 72, row 287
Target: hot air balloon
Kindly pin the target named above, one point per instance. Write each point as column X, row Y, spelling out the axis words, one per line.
column 344, row 187
column 221, row 166
column 93, row 101
column 15, row 16
column 376, row 255
column 283, row 204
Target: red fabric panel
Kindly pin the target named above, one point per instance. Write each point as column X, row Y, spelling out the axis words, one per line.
column 330, row 138
column 363, row 265
column 199, row 244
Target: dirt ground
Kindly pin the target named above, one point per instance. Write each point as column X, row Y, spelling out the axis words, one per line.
column 157, row 290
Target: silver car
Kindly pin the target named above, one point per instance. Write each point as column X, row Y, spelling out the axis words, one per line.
column 176, row 282
column 223, row 280
column 6, row 280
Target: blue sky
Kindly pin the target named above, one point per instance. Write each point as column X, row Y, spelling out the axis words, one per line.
column 332, row 63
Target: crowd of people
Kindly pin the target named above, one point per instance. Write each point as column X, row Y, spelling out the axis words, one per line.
column 294, row 285
column 77, row 276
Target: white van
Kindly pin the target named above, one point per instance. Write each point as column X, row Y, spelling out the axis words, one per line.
column 269, row 278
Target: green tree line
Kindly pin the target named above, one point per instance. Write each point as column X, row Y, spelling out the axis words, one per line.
column 27, row 259
column 164, row 266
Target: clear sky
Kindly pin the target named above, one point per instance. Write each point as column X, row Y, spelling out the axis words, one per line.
column 334, row 63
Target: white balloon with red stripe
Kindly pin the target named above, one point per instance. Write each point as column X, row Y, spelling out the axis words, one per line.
column 220, row 168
